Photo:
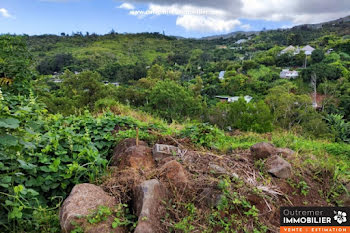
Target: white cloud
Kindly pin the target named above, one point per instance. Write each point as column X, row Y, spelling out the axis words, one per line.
column 204, row 19
column 206, row 23
column 297, row 11
column 127, row 6
column 5, row 13
column 178, row 9
column 294, row 11
column 246, row 26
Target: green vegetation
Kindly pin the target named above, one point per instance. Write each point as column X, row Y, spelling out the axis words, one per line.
column 58, row 131
column 156, row 72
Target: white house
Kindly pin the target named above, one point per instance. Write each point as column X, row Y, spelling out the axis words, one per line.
column 289, row 74
column 57, row 80
column 247, row 98
column 221, row 75
column 308, row 50
column 108, row 83
column 329, row 51
column 231, row 99
column 115, row 84
column 290, row 48
column 296, row 50
column 241, row 41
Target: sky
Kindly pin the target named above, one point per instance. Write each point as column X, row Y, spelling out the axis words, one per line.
column 187, row 18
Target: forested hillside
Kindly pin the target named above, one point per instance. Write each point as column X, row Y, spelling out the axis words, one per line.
column 67, row 104
column 155, row 72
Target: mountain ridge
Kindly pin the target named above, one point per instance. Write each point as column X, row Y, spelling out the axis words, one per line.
column 341, row 20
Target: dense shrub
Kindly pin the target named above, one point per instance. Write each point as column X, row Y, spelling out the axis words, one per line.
column 204, row 135
column 172, row 101
column 340, row 127
column 15, row 62
column 77, row 92
column 57, row 63
column 42, row 156
column 243, row 116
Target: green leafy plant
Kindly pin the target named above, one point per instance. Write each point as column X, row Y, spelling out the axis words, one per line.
column 234, row 212
column 101, row 214
column 303, row 187
column 186, row 224
column 123, row 217
column 43, row 156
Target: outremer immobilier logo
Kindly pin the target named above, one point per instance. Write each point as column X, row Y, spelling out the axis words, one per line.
column 315, row 219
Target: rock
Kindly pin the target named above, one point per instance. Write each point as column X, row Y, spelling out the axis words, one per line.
column 175, row 173
column 161, row 151
column 286, row 153
column 278, row 167
column 148, row 198
column 82, row 201
column 210, row 197
column 222, row 171
column 127, row 154
column 138, row 157
column 262, row 150
column 217, row 169
column 165, row 160
column 125, row 144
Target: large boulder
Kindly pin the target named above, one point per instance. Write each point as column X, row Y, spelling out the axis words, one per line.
column 286, row 153
column 175, row 173
column 83, row 201
column 148, row 198
column 262, row 150
column 278, row 167
column 125, row 144
column 128, row 154
column 161, row 151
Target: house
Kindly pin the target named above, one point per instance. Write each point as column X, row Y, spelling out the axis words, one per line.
column 236, row 48
column 115, row 84
column 108, row 83
column 289, row 74
column 296, row 50
column 231, row 99
column 308, row 50
column 290, row 48
column 221, row 47
column 329, row 51
column 221, row 75
column 241, row 41
column 57, row 80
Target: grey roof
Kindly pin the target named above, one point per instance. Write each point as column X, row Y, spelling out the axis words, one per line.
column 289, row 48
column 308, row 48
